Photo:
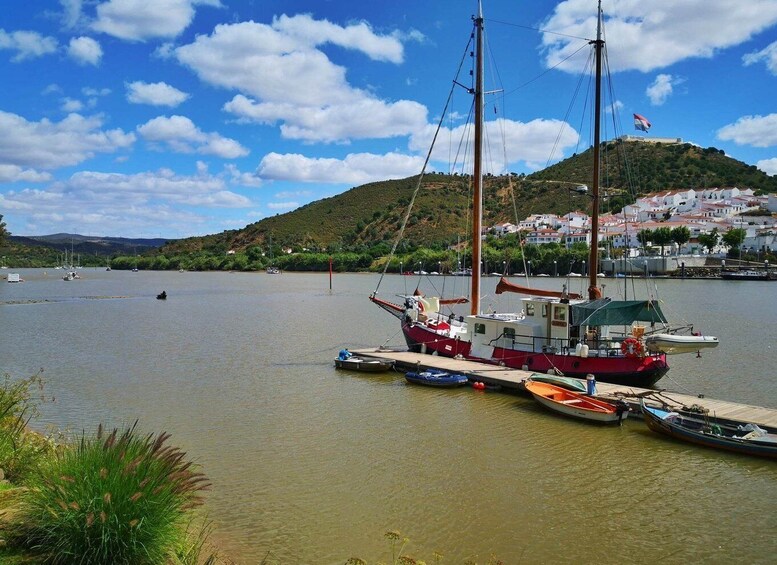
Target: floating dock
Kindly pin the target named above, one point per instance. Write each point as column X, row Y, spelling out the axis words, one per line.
column 513, row 379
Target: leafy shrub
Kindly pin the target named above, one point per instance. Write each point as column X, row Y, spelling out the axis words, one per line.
column 120, row 499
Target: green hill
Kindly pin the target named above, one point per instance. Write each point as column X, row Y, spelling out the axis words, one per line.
column 369, row 217
column 652, row 167
column 373, row 213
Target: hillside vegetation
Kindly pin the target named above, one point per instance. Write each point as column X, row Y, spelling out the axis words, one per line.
column 373, row 213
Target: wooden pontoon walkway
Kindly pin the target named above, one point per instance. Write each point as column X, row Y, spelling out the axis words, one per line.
column 513, row 379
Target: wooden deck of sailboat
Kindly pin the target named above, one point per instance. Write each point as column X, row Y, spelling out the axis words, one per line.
column 513, row 379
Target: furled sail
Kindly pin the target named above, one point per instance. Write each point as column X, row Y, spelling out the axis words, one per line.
column 506, row 286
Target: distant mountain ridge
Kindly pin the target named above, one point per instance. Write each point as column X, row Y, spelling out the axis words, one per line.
column 87, row 244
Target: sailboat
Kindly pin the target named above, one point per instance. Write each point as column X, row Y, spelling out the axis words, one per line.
column 271, row 268
column 556, row 331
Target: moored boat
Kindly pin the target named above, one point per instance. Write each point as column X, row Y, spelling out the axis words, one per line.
column 747, row 275
column 748, row 438
column 436, row 378
column 674, row 343
column 554, row 329
column 364, row 365
column 576, row 405
column 569, row 383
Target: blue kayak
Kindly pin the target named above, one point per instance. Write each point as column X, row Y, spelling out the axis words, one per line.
column 436, row 378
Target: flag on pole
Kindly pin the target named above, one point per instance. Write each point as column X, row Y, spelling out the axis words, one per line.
column 641, row 123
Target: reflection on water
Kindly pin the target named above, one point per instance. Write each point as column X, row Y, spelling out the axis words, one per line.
column 313, row 465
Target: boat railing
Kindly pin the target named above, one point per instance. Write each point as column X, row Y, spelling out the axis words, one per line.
column 601, row 347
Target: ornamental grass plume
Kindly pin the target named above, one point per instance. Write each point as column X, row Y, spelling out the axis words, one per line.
column 20, row 449
column 119, row 499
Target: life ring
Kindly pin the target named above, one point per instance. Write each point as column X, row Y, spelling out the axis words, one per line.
column 631, row 347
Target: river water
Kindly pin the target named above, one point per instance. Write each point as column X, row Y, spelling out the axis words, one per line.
column 311, row 465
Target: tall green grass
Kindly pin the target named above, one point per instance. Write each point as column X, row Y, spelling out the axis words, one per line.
column 119, row 499
column 20, row 449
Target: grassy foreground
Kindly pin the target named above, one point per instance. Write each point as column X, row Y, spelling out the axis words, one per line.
column 118, row 497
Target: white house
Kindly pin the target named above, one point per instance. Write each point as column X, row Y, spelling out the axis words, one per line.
column 501, row 230
column 577, row 237
column 771, row 203
column 543, row 236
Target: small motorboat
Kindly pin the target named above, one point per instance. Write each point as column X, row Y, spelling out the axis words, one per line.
column 436, row 378
column 747, row 438
column 576, row 405
column 746, row 275
column 162, row 295
column 570, row 383
column 673, row 343
column 365, row 365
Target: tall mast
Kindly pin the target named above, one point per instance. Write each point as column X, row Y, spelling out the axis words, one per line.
column 593, row 257
column 477, row 173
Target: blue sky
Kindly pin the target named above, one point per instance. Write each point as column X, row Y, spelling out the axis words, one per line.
column 173, row 118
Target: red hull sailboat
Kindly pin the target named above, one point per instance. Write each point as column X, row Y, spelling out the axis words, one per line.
column 554, row 331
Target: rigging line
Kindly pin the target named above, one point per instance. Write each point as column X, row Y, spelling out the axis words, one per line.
column 583, row 74
column 463, row 147
column 423, row 170
column 546, row 71
column 630, row 177
column 540, row 30
column 390, row 338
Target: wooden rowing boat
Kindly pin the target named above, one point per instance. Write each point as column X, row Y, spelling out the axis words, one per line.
column 747, row 439
column 576, row 405
column 576, row 385
column 364, row 365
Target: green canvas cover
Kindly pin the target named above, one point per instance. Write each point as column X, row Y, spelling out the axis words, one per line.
column 608, row 312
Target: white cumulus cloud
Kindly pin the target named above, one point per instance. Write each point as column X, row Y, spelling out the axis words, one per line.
column 181, row 135
column 357, row 36
column 662, row 88
column 769, row 166
column 273, row 66
column 240, row 178
column 49, row 145
column 533, row 143
column 139, row 20
column 355, row 168
column 130, row 204
column 71, row 13
column 155, row 94
column 14, row 173
column 27, row 44
column 758, row 131
column 768, row 55
column 282, row 205
column 85, row 51
column 362, row 119
column 72, row 105
column 652, row 35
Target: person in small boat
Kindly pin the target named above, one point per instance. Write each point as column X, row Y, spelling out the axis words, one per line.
column 344, row 354
column 162, row 295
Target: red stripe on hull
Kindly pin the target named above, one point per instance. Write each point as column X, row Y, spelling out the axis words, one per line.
column 632, row 371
